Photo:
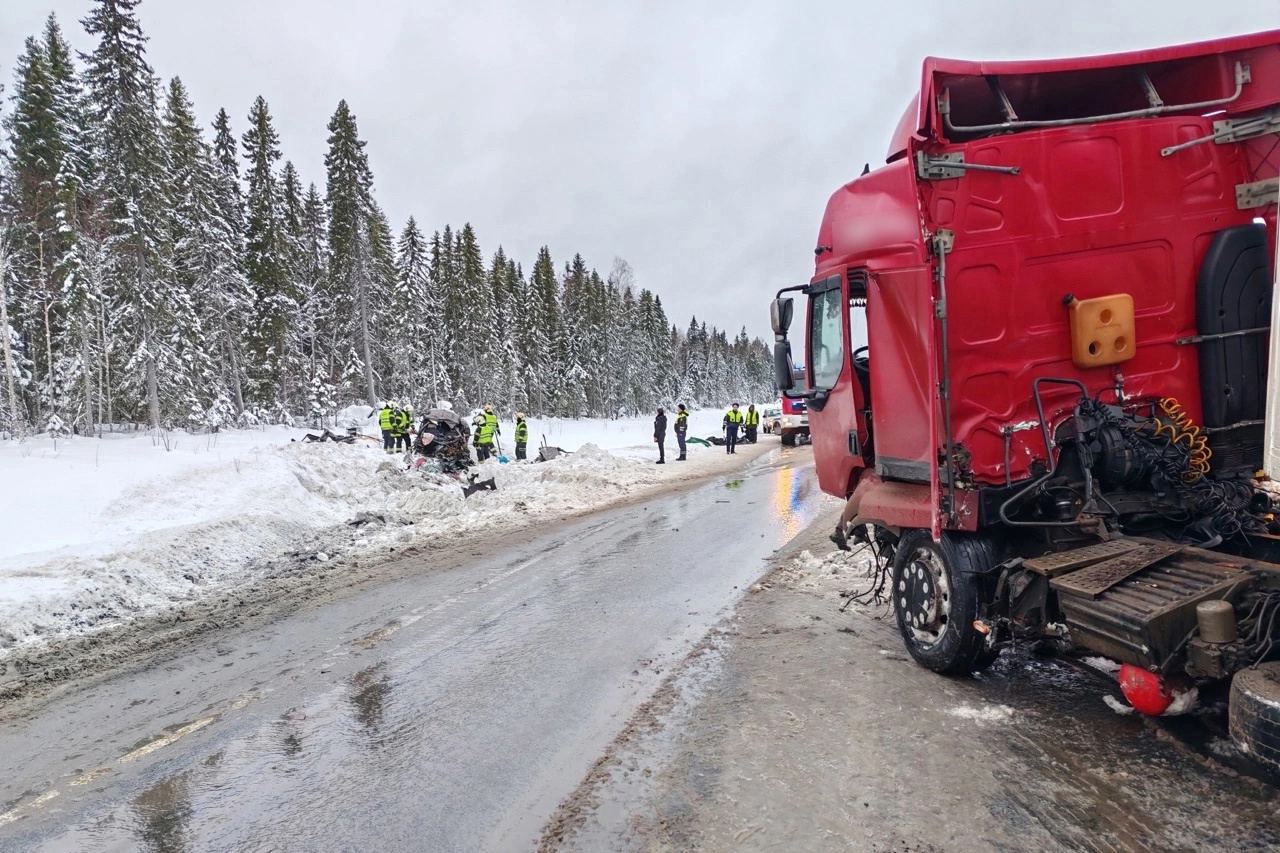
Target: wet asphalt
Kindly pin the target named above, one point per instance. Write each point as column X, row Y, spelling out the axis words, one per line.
column 449, row 710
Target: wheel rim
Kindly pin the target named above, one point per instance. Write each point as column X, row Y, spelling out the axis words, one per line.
column 924, row 596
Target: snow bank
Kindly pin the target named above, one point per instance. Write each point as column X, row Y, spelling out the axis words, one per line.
column 97, row 531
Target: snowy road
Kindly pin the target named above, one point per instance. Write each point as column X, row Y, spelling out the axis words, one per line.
column 444, row 710
column 804, row 727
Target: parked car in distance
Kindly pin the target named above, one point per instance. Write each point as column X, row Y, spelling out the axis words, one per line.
column 771, row 420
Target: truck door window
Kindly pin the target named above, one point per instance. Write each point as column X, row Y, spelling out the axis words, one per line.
column 826, row 334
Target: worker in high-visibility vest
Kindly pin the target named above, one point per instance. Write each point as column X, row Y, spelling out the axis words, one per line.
column 491, row 418
column 401, row 426
column 732, row 421
column 751, row 423
column 522, row 436
column 385, row 415
column 485, row 430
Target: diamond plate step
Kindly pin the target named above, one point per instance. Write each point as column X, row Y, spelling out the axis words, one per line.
column 1052, row 565
column 1094, row 580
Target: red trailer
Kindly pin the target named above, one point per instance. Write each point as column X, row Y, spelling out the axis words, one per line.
column 1053, row 433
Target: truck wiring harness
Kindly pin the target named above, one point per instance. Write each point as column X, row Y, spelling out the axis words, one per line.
column 1137, row 464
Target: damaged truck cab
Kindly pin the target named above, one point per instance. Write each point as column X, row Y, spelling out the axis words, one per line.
column 1055, row 429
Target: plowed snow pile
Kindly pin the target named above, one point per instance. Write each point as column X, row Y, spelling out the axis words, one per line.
column 104, row 531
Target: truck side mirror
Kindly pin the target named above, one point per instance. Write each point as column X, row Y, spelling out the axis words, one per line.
column 783, row 371
column 780, row 315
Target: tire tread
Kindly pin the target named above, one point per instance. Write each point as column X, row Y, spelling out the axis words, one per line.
column 965, row 555
column 1253, row 720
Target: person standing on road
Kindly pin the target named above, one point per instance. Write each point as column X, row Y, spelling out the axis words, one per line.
column 660, row 435
column 522, row 436
column 682, row 429
column 385, row 414
column 751, row 423
column 732, row 420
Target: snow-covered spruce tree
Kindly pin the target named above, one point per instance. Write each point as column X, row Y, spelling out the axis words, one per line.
column 693, row 384
column 267, row 265
column 497, row 387
column 295, row 368
column 17, row 369
column 199, row 252
column 595, row 347
column 476, row 325
column 630, row 376
column 539, row 335
column 571, row 364
column 617, row 343
column 514, row 306
column 413, row 329
column 445, row 281
column 138, row 278
column 354, row 290
column 46, row 198
column 663, row 361
column 31, row 202
column 232, row 298
column 78, row 231
column 383, row 251
column 650, row 376
column 312, row 333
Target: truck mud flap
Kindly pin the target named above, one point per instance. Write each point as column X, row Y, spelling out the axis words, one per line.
column 1233, row 313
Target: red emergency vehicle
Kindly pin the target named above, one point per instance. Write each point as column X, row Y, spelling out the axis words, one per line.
column 793, row 424
column 1054, row 432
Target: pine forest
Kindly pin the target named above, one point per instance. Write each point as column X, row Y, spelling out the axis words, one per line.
column 160, row 270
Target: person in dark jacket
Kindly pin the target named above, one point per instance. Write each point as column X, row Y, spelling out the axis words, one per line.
column 660, row 435
column 682, row 429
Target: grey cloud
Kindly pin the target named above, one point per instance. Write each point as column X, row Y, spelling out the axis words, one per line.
column 698, row 140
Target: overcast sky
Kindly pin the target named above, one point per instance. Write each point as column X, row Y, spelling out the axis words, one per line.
column 697, row 140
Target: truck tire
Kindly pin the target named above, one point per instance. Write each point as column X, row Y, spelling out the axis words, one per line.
column 788, row 438
column 1254, row 714
column 937, row 596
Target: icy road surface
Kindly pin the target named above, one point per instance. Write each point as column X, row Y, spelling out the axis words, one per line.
column 447, row 710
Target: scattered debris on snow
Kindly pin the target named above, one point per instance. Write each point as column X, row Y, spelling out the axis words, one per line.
column 117, row 528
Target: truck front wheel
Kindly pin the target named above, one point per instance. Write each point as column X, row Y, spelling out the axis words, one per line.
column 937, row 595
column 788, row 438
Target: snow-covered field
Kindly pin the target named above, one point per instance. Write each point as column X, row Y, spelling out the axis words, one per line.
column 94, row 532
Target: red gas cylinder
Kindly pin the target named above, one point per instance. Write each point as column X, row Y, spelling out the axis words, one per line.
column 1146, row 691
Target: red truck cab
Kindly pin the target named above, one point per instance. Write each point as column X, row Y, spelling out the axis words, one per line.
column 1065, row 271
